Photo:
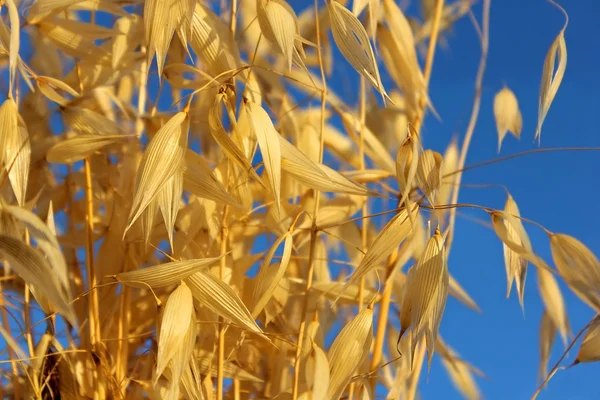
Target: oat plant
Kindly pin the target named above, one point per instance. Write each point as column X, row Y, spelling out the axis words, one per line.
column 188, row 211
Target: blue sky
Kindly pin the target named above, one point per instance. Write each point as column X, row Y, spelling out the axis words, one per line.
column 553, row 189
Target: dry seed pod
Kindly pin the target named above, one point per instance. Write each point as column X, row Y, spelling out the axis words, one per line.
column 547, row 335
column 162, row 18
column 516, row 266
column 554, row 302
column 174, row 327
column 589, row 351
column 390, row 237
column 429, row 174
column 348, row 350
column 507, row 114
column 578, row 266
column 425, row 294
column 162, row 159
column 551, row 79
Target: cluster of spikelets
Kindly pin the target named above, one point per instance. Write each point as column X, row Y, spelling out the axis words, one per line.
column 208, row 248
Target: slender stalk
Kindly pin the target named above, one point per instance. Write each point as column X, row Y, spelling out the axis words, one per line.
column 11, row 354
column 472, row 121
column 387, row 292
column 222, row 325
column 236, row 389
column 93, row 313
column 418, row 366
column 314, row 230
column 27, row 321
column 365, row 209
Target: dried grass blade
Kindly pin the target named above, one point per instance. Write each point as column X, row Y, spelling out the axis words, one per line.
column 279, row 25
column 547, row 335
column 79, row 147
column 33, row 268
column 270, row 275
column 199, row 179
column 268, row 141
column 166, row 274
column 348, row 350
column 18, row 157
column 353, row 42
column 554, row 302
column 227, row 145
column 169, row 202
column 426, row 291
column 46, row 241
column 174, row 327
column 15, row 41
column 317, row 373
column 215, row 294
column 429, row 174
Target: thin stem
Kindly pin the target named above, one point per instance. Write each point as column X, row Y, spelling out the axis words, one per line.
column 473, row 119
column 418, row 366
column 518, row 155
column 314, row 230
column 429, row 61
column 222, row 327
column 93, row 313
column 555, row 367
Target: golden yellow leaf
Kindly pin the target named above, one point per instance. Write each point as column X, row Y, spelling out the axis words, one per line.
column 200, row 180
column 76, row 38
column 390, row 237
column 79, row 147
column 317, row 373
column 215, row 294
column 268, row 277
column 165, row 274
column 348, row 350
column 547, row 335
column 353, row 42
column 268, row 141
column 460, row 373
column 507, row 114
column 212, row 42
column 31, row 265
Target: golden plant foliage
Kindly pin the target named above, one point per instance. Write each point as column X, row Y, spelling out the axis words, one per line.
column 185, row 202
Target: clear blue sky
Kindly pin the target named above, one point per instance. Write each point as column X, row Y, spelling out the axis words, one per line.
column 554, row 188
